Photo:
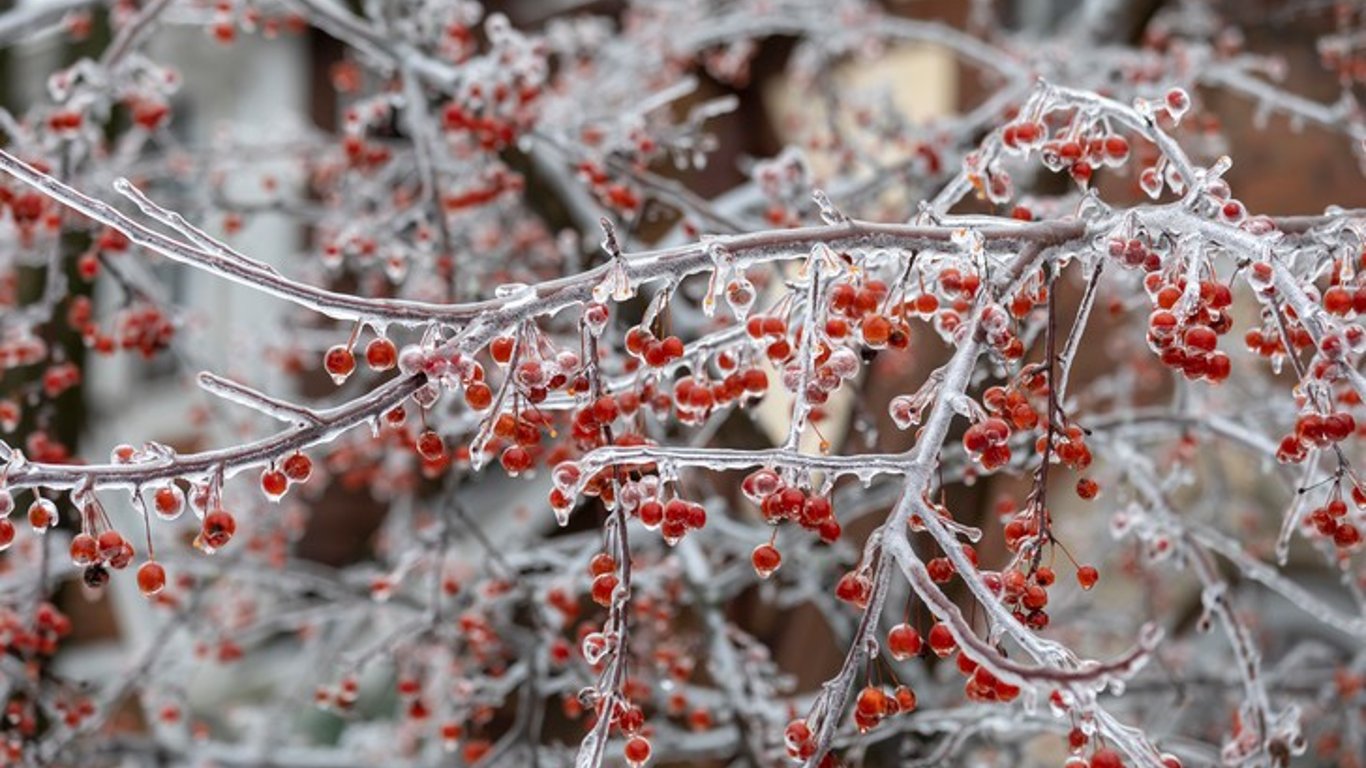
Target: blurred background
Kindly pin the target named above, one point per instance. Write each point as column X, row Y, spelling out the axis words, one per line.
column 285, row 85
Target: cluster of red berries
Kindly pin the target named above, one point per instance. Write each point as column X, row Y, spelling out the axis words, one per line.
column 538, row 374
column 654, row 352
column 983, row 684
column 1069, row 445
column 1077, row 148
column 1315, row 430
column 603, row 571
column 801, row 742
column 1135, row 254
column 695, row 398
column 780, row 502
column 617, row 196
column 1332, row 522
column 59, row 377
column 520, row 436
column 1019, row 526
column 1012, row 404
column 640, row 498
column 495, row 118
column 409, row 690
column 142, row 327
column 41, row 446
column 772, row 331
column 999, row 333
column 960, row 288
column 1026, row 595
column 496, row 182
column 341, row 697
column 364, row 155
column 874, row 705
column 1187, row 344
column 99, row 547
column 862, row 305
column 568, row 481
column 339, row 361
column 275, row 480
column 21, row 349
column 674, row 518
column 148, row 112
column 35, row 635
column 1081, row 153
column 65, row 122
column 31, row 210
column 592, row 417
column 629, row 720
column 986, row 441
column 1342, row 54
column 673, row 662
column 74, row 709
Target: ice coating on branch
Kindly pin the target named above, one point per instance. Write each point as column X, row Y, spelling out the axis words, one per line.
column 419, row 213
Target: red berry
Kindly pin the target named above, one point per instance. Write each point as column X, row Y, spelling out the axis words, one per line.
column 766, row 559
column 941, row 640
column 381, row 354
column 297, row 467
column 903, row 641
column 219, row 527
column 604, row 586
column 515, row 460
column 151, row 578
column 274, row 483
column 478, row 396
column 42, row 515
column 501, row 349
column 601, row 563
column 110, row 544
column 853, row 588
column 637, row 751
column 1087, row 488
column 651, row 513
column 1087, row 576
column 871, row 702
column 430, row 445
column 339, row 363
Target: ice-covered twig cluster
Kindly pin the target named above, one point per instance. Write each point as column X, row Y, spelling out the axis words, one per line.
column 505, row 275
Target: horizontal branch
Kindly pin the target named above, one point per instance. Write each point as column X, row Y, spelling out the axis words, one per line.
column 554, row 295
column 229, row 461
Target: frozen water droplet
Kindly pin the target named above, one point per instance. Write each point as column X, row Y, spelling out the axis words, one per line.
column 740, row 295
